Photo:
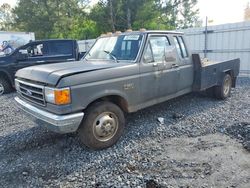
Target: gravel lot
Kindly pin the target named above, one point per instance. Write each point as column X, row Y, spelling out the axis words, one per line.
column 203, row 143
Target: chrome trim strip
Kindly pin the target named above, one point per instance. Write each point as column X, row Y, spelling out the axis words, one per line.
column 32, row 96
column 30, row 100
column 29, row 84
column 32, row 90
column 24, row 86
column 57, row 123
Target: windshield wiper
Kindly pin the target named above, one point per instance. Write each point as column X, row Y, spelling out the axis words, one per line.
column 112, row 55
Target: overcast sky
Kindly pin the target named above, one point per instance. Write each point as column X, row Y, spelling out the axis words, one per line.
column 220, row 11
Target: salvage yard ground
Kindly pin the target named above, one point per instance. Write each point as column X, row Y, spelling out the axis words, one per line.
column 204, row 142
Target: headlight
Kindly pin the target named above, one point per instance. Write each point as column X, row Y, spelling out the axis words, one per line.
column 58, row 96
column 17, row 85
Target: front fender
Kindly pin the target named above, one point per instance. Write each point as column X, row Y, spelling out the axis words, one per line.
column 83, row 97
column 108, row 93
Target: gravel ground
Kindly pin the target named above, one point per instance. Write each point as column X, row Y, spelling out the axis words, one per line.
column 203, row 142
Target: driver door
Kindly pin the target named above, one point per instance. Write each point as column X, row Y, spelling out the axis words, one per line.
column 159, row 75
column 35, row 55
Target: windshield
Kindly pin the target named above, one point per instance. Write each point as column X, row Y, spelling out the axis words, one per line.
column 122, row 47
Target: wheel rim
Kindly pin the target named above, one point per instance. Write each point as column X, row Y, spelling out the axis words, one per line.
column 227, row 86
column 1, row 89
column 105, row 126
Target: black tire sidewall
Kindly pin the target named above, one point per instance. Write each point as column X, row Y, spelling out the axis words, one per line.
column 86, row 129
column 228, row 94
column 220, row 89
column 7, row 87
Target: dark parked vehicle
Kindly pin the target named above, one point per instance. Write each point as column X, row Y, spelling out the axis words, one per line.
column 121, row 73
column 35, row 53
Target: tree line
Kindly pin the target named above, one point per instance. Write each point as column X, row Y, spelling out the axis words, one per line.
column 80, row 19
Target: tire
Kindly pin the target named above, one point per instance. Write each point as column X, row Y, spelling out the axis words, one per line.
column 210, row 92
column 224, row 90
column 5, row 86
column 102, row 125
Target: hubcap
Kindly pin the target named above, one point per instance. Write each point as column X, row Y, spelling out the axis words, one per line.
column 1, row 89
column 227, row 86
column 105, row 126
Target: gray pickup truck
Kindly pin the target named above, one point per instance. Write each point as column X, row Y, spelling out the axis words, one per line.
column 122, row 73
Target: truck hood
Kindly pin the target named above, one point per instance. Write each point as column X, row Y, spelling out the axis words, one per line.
column 50, row 74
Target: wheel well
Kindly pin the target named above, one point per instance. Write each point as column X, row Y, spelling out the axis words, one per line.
column 230, row 72
column 118, row 100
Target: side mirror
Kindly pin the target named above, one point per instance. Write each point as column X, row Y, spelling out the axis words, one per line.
column 21, row 56
column 170, row 54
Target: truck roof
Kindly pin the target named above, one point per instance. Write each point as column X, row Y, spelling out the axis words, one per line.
column 159, row 31
column 142, row 31
column 52, row 40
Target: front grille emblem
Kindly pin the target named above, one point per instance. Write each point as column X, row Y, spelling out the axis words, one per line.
column 28, row 92
column 31, row 92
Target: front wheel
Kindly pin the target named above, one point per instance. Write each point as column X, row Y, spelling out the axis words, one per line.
column 224, row 90
column 5, row 86
column 102, row 125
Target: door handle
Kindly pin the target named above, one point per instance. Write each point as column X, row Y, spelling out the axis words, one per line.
column 175, row 65
column 155, row 64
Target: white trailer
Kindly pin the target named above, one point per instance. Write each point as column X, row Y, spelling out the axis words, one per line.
column 11, row 40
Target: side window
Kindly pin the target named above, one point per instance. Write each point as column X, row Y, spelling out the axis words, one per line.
column 178, row 47
column 60, row 48
column 156, row 48
column 148, row 55
column 183, row 47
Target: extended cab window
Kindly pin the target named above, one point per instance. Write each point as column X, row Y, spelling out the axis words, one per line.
column 155, row 49
column 180, row 47
column 183, row 47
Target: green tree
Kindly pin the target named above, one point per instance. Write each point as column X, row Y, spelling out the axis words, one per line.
column 6, row 17
column 37, row 16
column 145, row 20
column 179, row 13
column 112, row 15
column 52, row 18
column 124, row 14
column 100, row 14
column 109, row 16
column 75, row 19
column 188, row 14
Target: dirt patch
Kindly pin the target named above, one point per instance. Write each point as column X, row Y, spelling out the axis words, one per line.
column 240, row 131
column 184, row 162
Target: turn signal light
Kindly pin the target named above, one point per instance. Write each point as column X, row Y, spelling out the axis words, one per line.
column 58, row 96
column 62, row 97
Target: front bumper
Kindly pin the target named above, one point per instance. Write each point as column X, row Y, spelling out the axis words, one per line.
column 56, row 123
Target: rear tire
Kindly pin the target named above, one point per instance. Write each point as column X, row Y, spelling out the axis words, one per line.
column 224, row 90
column 5, row 86
column 102, row 125
column 210, row 92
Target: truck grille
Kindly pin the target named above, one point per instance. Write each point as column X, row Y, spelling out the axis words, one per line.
column 31, row 92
